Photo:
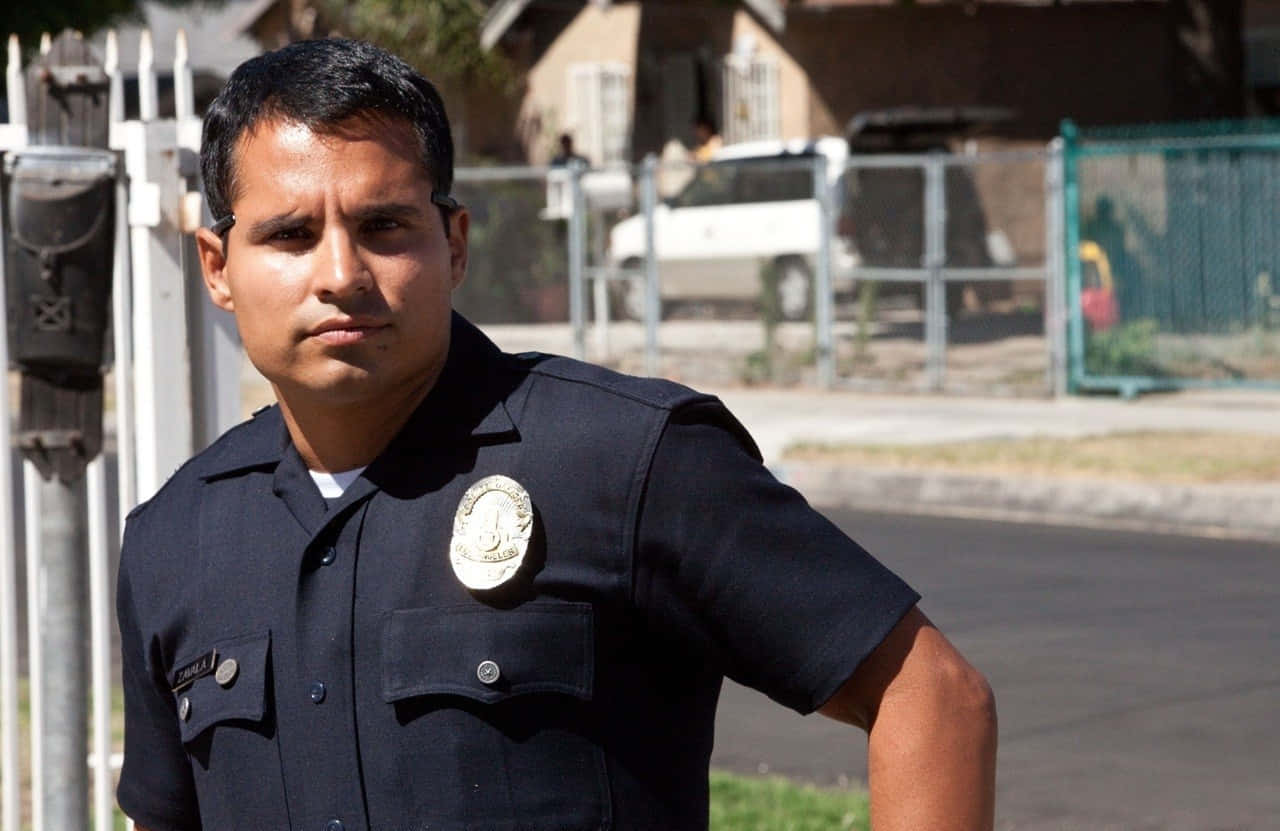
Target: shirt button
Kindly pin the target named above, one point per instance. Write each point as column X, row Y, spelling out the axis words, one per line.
column 330, row 554
column 333, row 825
column 316, row 691
column 184, row 708
column 488, row 672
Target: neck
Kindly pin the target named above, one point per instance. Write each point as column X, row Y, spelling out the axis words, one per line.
column 334, row 438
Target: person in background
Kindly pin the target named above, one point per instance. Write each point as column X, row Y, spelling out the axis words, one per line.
column 707, row 139
column 567, row 154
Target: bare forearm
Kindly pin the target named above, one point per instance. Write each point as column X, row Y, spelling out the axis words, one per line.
column 931, row 719
column 932, row 764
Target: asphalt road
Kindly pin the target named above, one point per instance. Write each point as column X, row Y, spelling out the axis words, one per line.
column 1137, row 676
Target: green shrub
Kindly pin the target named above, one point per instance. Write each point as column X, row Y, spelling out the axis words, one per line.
column 1125, row 349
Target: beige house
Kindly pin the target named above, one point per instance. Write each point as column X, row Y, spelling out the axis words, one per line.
column 626, row 77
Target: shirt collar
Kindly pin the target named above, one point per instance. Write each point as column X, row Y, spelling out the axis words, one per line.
column 470, row 398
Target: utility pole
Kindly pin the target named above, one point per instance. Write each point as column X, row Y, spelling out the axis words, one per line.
column 59, row 199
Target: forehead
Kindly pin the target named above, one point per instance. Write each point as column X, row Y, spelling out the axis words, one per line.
column 277, row 154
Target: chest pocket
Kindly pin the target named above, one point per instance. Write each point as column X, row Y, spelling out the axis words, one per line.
column 232, row 685
column 494, row 705
column 227, row 725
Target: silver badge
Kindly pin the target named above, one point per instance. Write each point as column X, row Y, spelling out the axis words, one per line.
column 491, row 532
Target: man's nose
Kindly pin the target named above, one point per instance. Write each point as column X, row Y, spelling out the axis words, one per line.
column 341, row 268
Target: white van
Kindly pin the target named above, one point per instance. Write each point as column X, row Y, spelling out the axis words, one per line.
column 752, row 204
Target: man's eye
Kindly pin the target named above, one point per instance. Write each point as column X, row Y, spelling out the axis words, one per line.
column 289, row 235
column 382, row 224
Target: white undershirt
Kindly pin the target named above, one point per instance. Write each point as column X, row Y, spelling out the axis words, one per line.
column 333, row 485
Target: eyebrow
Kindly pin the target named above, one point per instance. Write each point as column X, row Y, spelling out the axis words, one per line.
column 281, row 222
column 266, row 227
column 394, row 210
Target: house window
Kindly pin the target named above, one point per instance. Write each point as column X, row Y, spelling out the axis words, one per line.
column 751, row 110
column 599, row 111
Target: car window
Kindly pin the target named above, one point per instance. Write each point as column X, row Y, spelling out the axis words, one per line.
column 775, row 180
column 711, row 185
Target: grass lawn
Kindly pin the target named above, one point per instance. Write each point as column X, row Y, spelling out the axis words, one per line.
column 1155, row 456
column 742, row 803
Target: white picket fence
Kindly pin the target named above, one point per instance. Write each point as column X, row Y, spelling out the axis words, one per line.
column 176, row 387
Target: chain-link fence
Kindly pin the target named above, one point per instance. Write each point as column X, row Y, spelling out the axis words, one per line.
column 786, row 264
column 1173, row 282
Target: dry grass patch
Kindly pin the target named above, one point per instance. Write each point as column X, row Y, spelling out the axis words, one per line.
column 1160, row 456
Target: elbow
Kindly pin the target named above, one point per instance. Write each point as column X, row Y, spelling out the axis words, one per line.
column 973, row 694
column 963, row 693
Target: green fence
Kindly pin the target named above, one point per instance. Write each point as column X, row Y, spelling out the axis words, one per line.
column 1173, row 255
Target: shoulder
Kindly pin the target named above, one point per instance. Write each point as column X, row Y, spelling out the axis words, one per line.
column 619, row 403
column 609, row 386
column 251, row 442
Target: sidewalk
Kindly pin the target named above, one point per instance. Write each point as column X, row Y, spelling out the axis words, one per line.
column 779, row 418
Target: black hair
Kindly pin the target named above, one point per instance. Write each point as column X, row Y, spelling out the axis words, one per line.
column 319, row 84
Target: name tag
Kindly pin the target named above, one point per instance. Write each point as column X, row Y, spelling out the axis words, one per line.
column 198, row 668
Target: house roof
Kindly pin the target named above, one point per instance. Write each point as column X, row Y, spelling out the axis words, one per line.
column 503, row 13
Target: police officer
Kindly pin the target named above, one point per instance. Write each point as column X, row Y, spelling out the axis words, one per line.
column 442, row 587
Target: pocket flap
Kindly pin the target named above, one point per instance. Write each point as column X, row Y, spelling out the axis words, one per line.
column 223, row 694
column 488, row 654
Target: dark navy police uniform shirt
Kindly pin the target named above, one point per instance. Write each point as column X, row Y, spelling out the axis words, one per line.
column 663, row 557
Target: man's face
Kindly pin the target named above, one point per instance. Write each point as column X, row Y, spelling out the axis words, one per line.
column 339, row 267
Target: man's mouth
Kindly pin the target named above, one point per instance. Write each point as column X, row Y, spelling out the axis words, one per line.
column 343, row 331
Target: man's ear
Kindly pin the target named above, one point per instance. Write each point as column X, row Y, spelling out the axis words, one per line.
column 213, row 265
column 459, row 226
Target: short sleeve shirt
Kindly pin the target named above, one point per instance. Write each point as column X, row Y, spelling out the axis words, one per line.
column 296, row 663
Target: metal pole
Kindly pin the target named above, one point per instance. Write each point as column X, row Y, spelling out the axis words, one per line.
column 122, row 315
column 599, row 285
column 31, row 489
column 100, row 616
column 64, row 682
column 1071, row 254
column 577, row 264
column 652, row 300
column 822, row 308
column 10, row 760
column 1055, row 318
column 935, row 321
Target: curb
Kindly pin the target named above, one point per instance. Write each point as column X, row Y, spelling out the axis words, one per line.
column 1229, row 510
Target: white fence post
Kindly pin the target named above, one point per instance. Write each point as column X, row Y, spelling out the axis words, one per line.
column 147, row 95
column 162, row 360
column 215, row 342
